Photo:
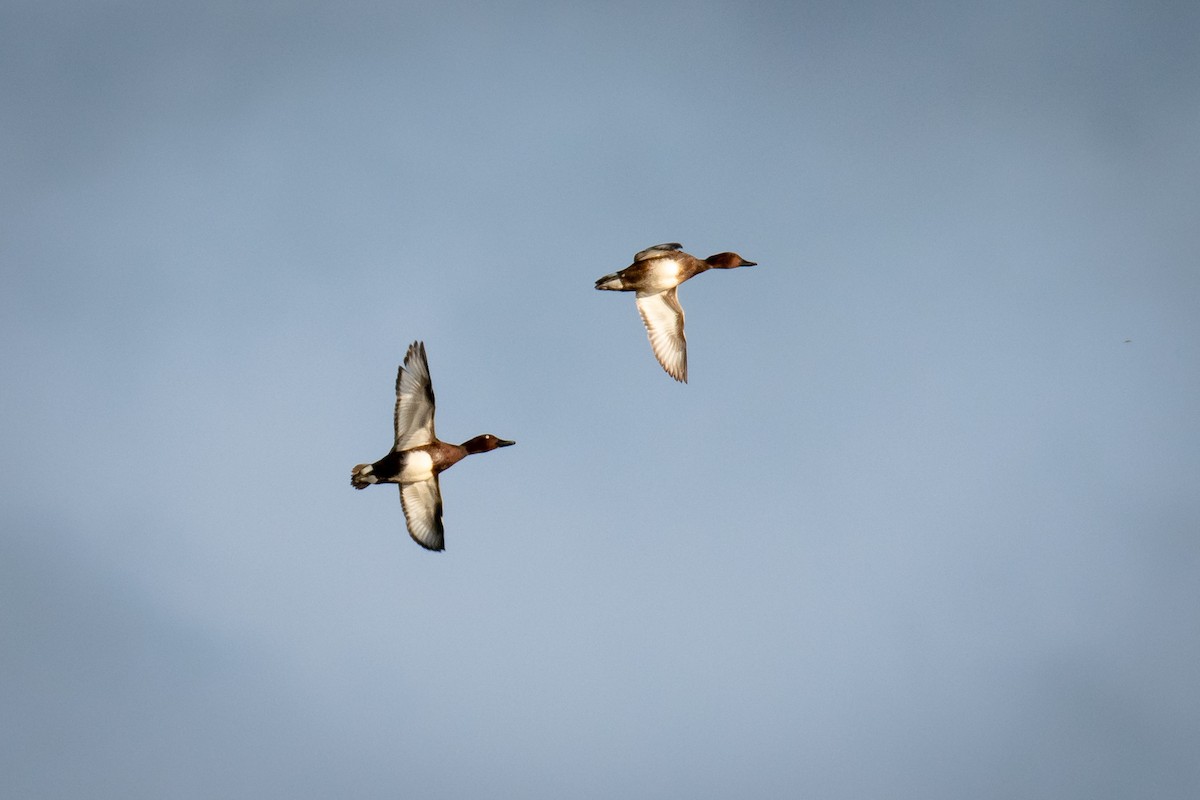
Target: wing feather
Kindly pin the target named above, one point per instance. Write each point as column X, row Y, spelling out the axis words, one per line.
column 657, row 250
column 663, row 317
column 422, row 502
column 414, row 400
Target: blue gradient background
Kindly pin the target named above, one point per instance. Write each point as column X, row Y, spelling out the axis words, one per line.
column 923, row 524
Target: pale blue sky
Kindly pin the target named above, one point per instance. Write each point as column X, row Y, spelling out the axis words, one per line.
column 922, row 525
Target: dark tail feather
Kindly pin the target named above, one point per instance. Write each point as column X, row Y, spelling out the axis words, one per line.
column 362, row 476
column 612, row 281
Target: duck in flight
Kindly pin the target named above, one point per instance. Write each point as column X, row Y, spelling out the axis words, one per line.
column 418, row 457
column 654, row 275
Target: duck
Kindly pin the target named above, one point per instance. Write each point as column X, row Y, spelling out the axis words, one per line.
column 655, row 274
column 418, row 456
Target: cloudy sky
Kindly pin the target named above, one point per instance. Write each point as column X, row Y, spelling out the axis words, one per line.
column 924, row 524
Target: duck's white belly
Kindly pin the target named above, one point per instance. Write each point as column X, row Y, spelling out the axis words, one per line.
column 664, row 274
column 418, row 466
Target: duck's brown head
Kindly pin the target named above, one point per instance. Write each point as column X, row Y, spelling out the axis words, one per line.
column 484, row 443
column 728, row 261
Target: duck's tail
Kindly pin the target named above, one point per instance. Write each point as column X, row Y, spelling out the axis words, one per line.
column 612, row 281
column 363, row 476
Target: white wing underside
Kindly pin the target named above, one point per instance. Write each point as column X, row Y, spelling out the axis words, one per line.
column 414, row 400
column 663, row 317
column 422, row 504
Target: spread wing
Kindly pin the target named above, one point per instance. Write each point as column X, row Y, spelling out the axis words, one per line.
column 657, row 250
column 663, row 317
column 422, row 502
column 414, row 400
